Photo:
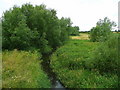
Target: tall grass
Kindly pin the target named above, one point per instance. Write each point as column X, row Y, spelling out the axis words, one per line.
column 22, row 69
column 72, row 64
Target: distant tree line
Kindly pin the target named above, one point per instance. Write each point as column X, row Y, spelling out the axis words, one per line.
column 73, row 31
column 35, row 27
column 117, row 30
column 84, row 32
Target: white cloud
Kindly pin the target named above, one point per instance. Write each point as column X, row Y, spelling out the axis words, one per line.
column 84, row 13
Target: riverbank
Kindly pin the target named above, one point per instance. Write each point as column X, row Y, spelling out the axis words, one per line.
column 74, row 65
column 22, row 69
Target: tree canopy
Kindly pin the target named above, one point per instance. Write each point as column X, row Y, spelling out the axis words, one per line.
column 35, row 27
column 102, row 30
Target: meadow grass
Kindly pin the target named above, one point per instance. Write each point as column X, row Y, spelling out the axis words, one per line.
column 22, row 69
column 71, row 63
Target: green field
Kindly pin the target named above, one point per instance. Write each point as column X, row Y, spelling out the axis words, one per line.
column 22, row 69
column 72, row 64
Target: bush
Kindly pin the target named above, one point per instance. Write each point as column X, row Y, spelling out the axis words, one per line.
column 22, row 70
column 106, row 58
column 102, row 30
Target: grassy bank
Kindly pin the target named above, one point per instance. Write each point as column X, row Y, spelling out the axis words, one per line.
column 71, row 63
column 22, row 69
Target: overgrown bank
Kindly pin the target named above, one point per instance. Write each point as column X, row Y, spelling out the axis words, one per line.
column 22, row 69
column 79, row 64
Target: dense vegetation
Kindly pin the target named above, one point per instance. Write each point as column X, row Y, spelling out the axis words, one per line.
column 85, row 64
column 82, row 64
column 35, row 27
column 106, row 56
column 30, row 28
column 21, row 69
column 78, row 63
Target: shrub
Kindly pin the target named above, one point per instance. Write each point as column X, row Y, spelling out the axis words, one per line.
column 102, row 30
column 22, row 70
column 106, row 58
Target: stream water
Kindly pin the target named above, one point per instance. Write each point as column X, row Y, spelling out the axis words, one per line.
column 52, row 76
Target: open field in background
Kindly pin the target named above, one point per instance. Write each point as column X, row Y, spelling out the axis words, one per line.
column 116, row 32
column 83, row 36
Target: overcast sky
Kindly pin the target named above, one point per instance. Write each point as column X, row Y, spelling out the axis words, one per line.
column 83, row 13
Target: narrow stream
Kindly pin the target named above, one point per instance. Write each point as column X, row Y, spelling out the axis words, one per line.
column 52, row 76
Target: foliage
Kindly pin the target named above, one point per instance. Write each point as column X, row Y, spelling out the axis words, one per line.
column 106, row 58
column 102, row 30
column 73, row 31
column 15, row 32
column 72, row 64
column 34, row 27
column 22, row 70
